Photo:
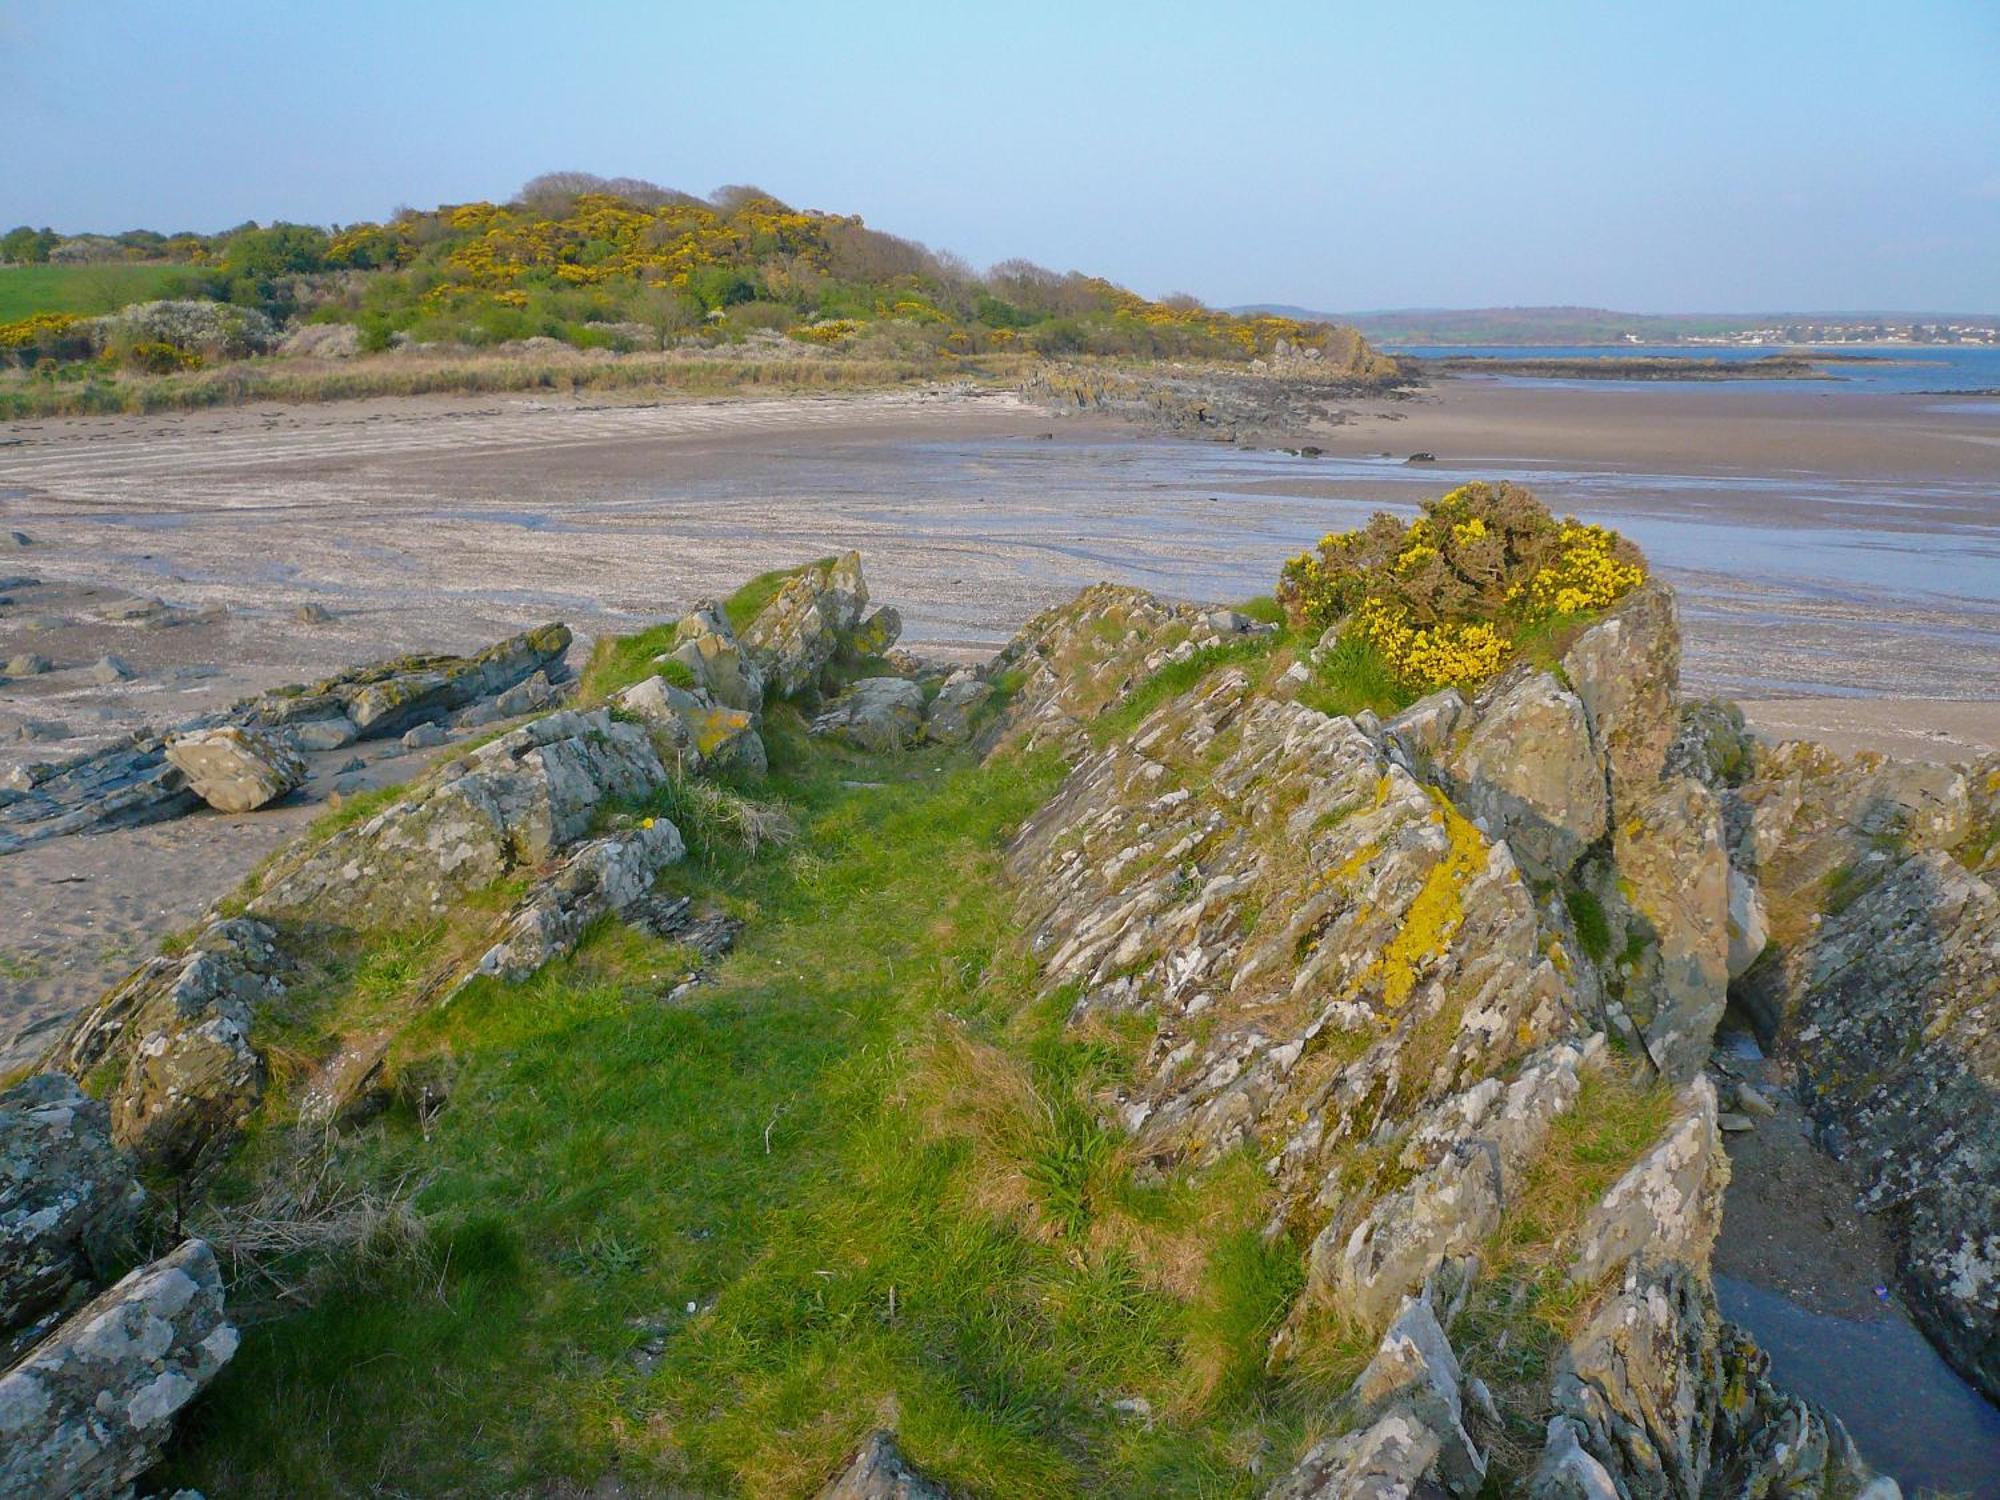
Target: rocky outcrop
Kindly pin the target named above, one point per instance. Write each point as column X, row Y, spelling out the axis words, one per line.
column 799, row 632
column 693, row 732
column 1626, row 671
column 91, row 1407
column 236, row 770
column 877, row 713
column 68, row 1201
column 705, row 643
column 509, row 804
column 879, row 1472
column 1529, row 772
column 390, row 697
column 175, row 1037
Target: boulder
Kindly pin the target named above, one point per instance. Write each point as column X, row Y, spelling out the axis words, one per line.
column 876, row 636
column 27, row 664
column 948, row 720
column 876, row 713
column 389, row 698
column 1420, row 735
column 530, row 697
column 15, row 541
column 805, row 624
column 109, row 671
column 509, row 804
column 335, row 733
column 1625, row 669
column 425, row 737
column 312, row 614
column 1528, row 773
column 705, row 643
column 90, row 1409
column 1748, row 932
column 698, row 734
column 879, row 1472
column 68, row 1200
column 236, row 770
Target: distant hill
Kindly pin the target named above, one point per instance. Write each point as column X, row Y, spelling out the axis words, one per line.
column 1599, row 325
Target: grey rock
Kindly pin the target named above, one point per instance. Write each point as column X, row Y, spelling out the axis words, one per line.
column 1667, row 845
column 705, row 643
column 31, row 731
column 335, row 733
column 312, row 614
column 425, row 737
column 876, row 636
column 879, row 1472
column 90, row 1409
column 15, row 540
column 236, row 770
column 876, row 713
column 1528, row 773
column 1626, row 671
column 387, row 699
column 68, row 1200
column 948, row 719
column 28, row 664
column 529, row 697
column 1748, row 929
column 694, row 733
column 109, row 670
column 804, row 625
column 1421, row 733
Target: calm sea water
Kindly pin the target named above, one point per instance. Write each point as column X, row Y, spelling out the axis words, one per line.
column 1915, row 370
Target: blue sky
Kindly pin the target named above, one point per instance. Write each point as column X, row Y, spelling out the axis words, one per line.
column 1738, row 156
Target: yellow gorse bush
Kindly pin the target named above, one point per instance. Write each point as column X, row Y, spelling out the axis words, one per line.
column 27, row 332
column 1444, row 599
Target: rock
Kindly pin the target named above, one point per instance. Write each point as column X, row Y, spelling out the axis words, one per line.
column 15, row 540
column 529, row 697
column 324, row 734
column 176, row 1035
column 948, row 720
column 1566, row 1471
column 236, row 770
column 1734, row 1124
column 32, row 731
column 426, row 737
column 1626, row 671
column 875, row 636
column 698, row 734
column 387, row 699
column 108, row 671
column 601, row 877
column 121, row 785
column 312, row 614
column 1420, row 734
column 27, row 664
column 1673, row 876
column 1529, row 773
column 68, row 1201
column 1752, row 1102
column 706, row 644
column 477, row 715
column 509, row 804
column 876, row 713
column 1712, row 744
column 90, row 1409
column 1748, row 932
column 879, row 1472
column 803, row 626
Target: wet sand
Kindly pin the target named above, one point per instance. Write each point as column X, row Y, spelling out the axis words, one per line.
column 1829, row 549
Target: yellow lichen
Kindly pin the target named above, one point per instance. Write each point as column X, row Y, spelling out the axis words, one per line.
column 1438, row 910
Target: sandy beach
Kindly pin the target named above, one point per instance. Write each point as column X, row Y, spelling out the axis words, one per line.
column 443, row 524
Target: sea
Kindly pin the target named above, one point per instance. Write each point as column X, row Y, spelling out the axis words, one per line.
column 1908, row 370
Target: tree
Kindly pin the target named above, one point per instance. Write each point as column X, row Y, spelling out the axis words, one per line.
column 25, row 246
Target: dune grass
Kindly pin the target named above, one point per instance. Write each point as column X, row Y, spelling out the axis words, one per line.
column 859, row 1179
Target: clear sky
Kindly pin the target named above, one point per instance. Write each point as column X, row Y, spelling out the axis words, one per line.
column 1731, row 156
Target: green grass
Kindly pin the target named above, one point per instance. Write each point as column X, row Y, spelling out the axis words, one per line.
column 748, row 602
column 1351, row 676
column 1176, row 678
column 27, row 290
column 866, row 1155
column 1593, row 928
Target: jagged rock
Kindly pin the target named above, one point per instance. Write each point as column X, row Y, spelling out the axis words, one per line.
column 602, row 876
column 706, row 644
column 876, row 713
column 392, row 696
column 109, row 671
column 177, row 1035
column 879, row 1472
column 1419, row 735
column 507, row 805
column 127, row 783
column 1415, row 1371
column 698, row 734
column 1528, row 773
column 1712, row 744
column 529, row 697
column 1626, row 671
column 1889, row 1011
column 67, row 1200
column 1674, row 879
column 426, row 737
column 1747, row 930
column 28, row 664
column 801, row 629
column 31, row 731
column 236, row 770
column 1567, row 1471
column 948, row 720
column 875, row 636
column 1770, row 1443
column 90, row 1408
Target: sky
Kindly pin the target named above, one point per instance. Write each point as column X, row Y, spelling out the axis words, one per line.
column 1741, row 156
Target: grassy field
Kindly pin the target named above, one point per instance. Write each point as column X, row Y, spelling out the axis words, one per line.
column 27, row 290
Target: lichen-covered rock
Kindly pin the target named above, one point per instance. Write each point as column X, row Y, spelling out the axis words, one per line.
column 949, row 718
column 390, row 697
column 706, row 644
column 1673, row 879
column 1889, row 1010
column 876, row 713
column 67, row 1201
column 1421, row 734
column 508, row 804
column 879, row 1472
column 1528, row 772
column 876, row 636
column 604, row 876
column 236, row 770
column 1748, row 931
column 805, row 624
column 1626, row 671
column 176, row 1036
column 91, row 1407
column 694, row 733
